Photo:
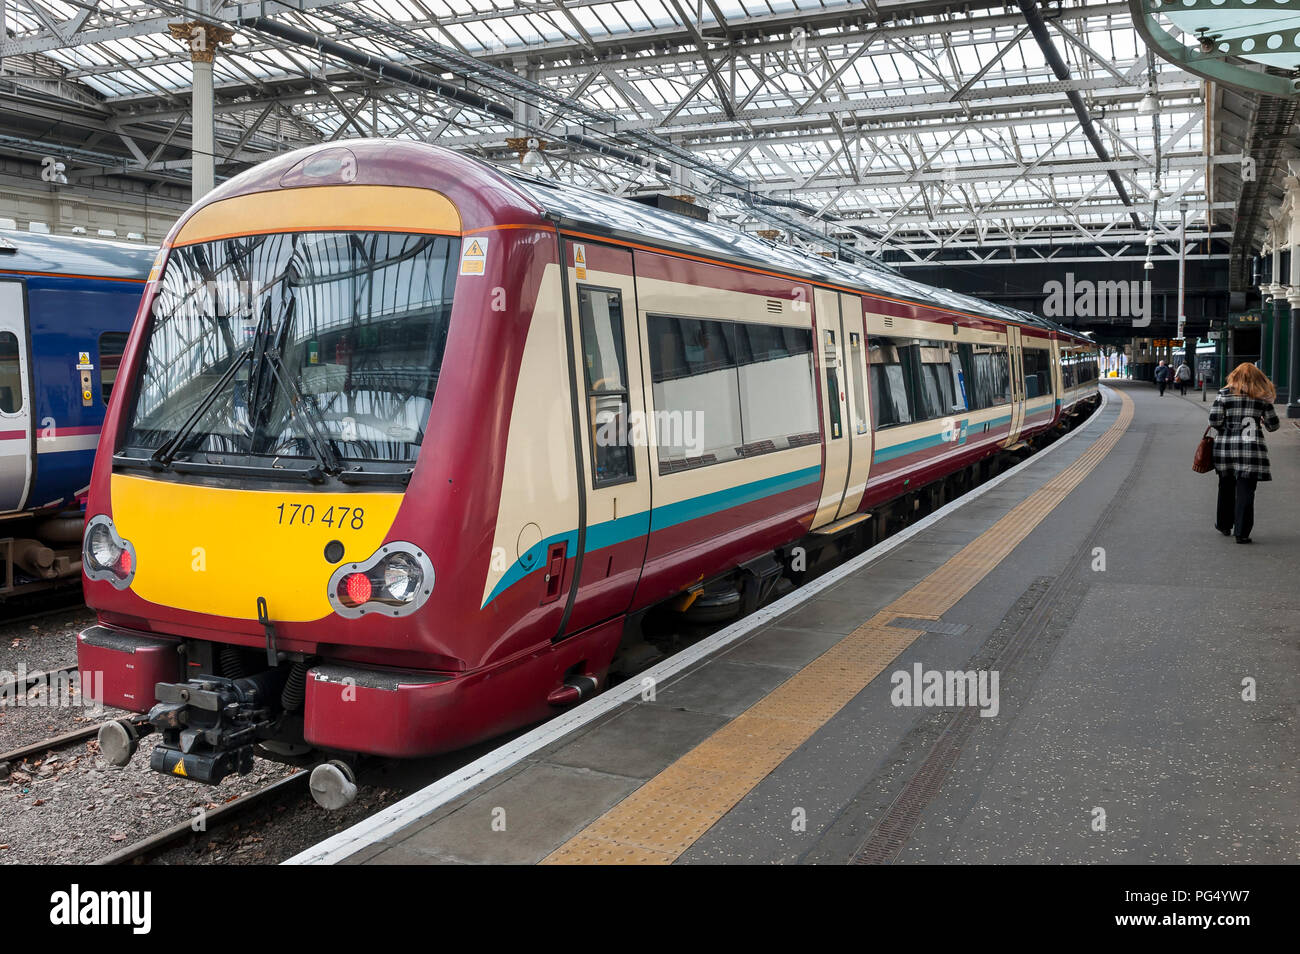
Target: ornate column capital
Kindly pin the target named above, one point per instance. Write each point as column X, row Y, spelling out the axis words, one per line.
column 201, row 38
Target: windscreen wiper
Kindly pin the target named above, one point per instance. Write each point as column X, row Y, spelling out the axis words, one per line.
column 167, row 452
column 259, row 393
column 305, row 411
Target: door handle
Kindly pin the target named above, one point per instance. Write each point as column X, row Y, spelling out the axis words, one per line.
column 555, row 560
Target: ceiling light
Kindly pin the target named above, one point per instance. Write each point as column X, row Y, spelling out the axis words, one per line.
column 1149, row 105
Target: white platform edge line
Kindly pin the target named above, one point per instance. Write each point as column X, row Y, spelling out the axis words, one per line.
column 429, row 799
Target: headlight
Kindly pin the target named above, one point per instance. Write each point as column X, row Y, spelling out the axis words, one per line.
column 395, row 581
column 105, row 555
column 402, row 576
column 101, row 548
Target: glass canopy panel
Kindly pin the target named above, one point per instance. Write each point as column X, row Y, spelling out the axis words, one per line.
column 1261, row 32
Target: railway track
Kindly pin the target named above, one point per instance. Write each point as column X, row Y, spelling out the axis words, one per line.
column 16, row 684
column 286, row 790
column 38, row 606
column 46, row 746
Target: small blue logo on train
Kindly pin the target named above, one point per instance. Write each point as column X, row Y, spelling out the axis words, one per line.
column 954, row 430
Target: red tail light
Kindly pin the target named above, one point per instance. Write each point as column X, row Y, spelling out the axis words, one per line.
column 357, row 586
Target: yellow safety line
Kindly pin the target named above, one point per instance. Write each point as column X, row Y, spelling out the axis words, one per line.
column 669, row 813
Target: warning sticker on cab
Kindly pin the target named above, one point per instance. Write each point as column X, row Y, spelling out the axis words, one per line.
column 473, row 256
column 580, row 261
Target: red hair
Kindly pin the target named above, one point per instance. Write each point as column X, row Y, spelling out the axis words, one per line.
column 1248, row 380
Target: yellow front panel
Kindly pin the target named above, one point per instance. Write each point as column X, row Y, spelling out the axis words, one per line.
column 352, row 208
column 216, row 550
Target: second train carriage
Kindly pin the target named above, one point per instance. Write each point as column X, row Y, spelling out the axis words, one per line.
column 66, row 305
column 406, row 442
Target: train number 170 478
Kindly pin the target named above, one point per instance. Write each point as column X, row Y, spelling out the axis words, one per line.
column 304, row 515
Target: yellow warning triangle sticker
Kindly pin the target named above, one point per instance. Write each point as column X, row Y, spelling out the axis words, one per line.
column 579, row 256
column 475, row 248
column 179, row 768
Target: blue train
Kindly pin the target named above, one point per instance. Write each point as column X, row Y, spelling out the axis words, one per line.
column 66, row 307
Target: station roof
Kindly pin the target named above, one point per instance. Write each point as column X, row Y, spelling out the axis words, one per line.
column 928, row 130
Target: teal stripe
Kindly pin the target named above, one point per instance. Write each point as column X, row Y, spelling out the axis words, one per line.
column 532, row 560
column 611, row 532
column 672, row 514
column 906, row 447
column 932, row 440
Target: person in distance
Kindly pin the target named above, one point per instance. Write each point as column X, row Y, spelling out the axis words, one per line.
column 1241, row 413
column 1163, row 373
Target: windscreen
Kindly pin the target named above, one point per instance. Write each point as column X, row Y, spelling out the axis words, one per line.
column 295, row 345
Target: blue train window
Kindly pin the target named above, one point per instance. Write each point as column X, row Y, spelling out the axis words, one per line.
column 111, row 346
column 11, row 380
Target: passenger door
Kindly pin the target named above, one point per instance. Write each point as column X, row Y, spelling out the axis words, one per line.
column 610, row 405
column 1016, row 356
column 15, row 399
column 857, row 389
column 836, row 425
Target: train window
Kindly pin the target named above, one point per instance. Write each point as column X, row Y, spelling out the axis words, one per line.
column 929, row 365
column 833, row 400
column 605, row 368
column 778, row 404
column 859, row 384
column 112, row 344
column 961, row 398
column 724, row 390
column 296, row 345
column 891, row 404
column 1071, row 371
column 11, row 375
column 1038, row 372
column 987, row 381
column 995, row 370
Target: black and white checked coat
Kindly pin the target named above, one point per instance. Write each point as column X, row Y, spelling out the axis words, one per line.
column 1240, row 422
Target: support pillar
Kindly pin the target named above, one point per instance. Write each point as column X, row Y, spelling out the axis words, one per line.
column 202, row 40
column 1293, row 384
column 1282, row 312
column 1266, row 337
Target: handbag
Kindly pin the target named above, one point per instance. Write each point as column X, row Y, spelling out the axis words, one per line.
column 1203, row 459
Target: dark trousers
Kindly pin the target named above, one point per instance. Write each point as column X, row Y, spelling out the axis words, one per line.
column 1162, row 385
column 1236, row 503
column 1182, row 387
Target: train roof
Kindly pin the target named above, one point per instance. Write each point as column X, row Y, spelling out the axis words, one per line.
column 491, row 191
column 597, row 212
column 73, row 255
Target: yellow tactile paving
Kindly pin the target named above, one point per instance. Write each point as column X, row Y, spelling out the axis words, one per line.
column 669, row 813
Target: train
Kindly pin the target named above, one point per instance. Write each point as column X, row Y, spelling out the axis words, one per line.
column 66, row 306
column 407, row 448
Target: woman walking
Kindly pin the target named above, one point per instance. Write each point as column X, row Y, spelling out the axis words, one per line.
column 1240, row 414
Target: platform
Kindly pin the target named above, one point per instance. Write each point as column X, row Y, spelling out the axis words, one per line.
column 1090, row 580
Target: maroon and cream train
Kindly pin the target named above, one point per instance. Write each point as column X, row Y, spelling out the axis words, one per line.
column 401, row 444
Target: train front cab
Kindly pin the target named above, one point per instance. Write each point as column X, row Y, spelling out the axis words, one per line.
column 320, row 571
